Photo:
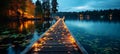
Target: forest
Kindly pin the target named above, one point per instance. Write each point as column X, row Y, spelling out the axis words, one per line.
column 103, row 15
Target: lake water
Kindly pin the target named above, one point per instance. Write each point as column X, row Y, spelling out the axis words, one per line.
column 96, row 37
column 15, row 36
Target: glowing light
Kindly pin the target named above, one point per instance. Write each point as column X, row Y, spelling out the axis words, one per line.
column 47, row 34
column 45, row 38
column 68, row 39
column 110, row 16
column 51, row 29
column 42, row 40
column 81, row 16
column 35, row 46
column 21, row 28
column 25, row 25
column 40, row 44
column 72, row 39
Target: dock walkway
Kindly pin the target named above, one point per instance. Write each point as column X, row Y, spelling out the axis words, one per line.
column 56, row 40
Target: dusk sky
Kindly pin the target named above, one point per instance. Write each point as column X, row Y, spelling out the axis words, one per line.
column 83, row 5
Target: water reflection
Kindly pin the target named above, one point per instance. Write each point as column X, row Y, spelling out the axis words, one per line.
column 19, row 27
column 35, row 36
column 20, row 34
column 25, row 25
column 97, row 37
column 11, row 50
column 98, row 28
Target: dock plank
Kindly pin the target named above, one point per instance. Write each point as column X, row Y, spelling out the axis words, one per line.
column 57, row 40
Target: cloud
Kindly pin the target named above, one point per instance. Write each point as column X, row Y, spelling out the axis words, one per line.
column 81, row 8
column 87, row 6
column 83, row 5
column 96, row 5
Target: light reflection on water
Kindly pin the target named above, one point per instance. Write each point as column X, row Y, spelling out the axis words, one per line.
column 25, row 25
column 96, row 37
column 20, row 34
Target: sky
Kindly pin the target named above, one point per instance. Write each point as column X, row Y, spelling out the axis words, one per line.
column 83, row 5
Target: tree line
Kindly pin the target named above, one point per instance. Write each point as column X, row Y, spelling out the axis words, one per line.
column 103, row 15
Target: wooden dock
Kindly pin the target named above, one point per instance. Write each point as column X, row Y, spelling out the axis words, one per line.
column 56, row 40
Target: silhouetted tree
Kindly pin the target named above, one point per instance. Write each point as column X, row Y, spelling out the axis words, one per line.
column 38, row 9
column 46, row 8
column 54, row 6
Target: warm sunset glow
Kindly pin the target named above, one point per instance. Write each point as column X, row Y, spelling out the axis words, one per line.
column 28, row 15
column 19, row 10
column 41, row 40
column 72, row 39
column 25, row 25
column 60, row 27
column 35, row 45
column 21, row 28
